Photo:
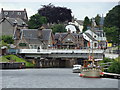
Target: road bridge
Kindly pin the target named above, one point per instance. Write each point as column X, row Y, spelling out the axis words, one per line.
column 56, row 53
column 59, row 57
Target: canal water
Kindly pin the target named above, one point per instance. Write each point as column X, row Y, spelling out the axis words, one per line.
column 51, row 78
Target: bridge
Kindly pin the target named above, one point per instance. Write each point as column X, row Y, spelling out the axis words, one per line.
column 60, row 53
column 59, row 57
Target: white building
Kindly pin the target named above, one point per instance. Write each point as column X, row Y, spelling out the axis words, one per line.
column 96, row 38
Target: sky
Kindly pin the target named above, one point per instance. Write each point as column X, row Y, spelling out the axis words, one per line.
column 80, row 9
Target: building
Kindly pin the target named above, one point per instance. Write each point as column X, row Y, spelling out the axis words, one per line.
column 8, row 25
column 69, row 40
column 34, row 39
column 22, row 14
column 95, row 38
column 77, row 23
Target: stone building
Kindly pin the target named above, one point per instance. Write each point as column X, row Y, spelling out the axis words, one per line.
column 69, row 40
column 8, row 25
column 34, row 38
column 10, row 20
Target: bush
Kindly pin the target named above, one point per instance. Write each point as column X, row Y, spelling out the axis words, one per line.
column 115, row 67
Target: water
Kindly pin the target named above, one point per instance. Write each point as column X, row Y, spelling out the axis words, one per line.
column 52, row 78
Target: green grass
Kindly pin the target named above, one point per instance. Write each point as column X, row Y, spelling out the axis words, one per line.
column 17, row 59
column 3, row 59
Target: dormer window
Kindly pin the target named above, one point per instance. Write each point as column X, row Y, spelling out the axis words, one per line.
column 19, row 13
column 5, row 13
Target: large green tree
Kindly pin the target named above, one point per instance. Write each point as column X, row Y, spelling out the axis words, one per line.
column 55, row 14
column 86, row 23
column 112, row 20
column 111, row 34
column 113, row 17
column 58, row 28
column 36, row 21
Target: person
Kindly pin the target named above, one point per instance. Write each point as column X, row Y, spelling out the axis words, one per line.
column 38, row 49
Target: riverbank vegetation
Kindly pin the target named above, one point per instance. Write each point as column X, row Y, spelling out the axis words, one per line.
column 14, row 58
column 114, row 66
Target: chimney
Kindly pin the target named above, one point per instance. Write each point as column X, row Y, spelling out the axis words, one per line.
column 40, row 33
column 1, row 9
column 25, row 9
column 69, row 31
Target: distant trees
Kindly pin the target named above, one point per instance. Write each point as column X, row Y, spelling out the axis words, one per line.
column 55, row 14
column 58, row 28
column 97, row 20
column 86, row 23
column 36, row 21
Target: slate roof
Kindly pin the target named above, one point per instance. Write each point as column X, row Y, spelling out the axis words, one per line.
column 14, row 14
column 18, row 20
column 31, row 35
column 90, row 37
column 62, row 35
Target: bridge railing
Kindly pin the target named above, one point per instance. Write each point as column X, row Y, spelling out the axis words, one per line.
column 49, row 51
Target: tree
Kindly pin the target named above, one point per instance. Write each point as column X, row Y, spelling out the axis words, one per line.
column 97, row 20
column 111, row 34
column 115, row 67
column 112, row 19
column 55, row 14
column 7, row 39
column 86, row 23
column 36, row 21
column 58, row 28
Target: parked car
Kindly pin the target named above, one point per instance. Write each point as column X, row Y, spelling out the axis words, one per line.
column 76, row 68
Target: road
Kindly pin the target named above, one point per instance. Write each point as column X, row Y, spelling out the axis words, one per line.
column 52, row 78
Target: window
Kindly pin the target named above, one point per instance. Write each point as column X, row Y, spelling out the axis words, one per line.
column 31, row 46
column 22, row 44
column 5, row 13
column 95, row 44
column 35, row 46
column 94, row 36
column 19, row 13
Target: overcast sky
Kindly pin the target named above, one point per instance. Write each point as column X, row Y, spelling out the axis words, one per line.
column 80, row 9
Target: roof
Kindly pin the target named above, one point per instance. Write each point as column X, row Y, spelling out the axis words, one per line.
column 90, row 37
column 62, row 35
column 79, row 22
column 14, row 14
column 13, row 20
column 31, row 35
column 46, row 33
column 17, row 20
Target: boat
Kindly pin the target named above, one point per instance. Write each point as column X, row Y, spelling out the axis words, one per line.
column 90, row 67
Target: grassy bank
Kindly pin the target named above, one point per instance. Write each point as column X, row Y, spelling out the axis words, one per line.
column 14, row 58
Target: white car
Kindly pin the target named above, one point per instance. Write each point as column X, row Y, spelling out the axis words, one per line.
column 76, row 68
